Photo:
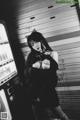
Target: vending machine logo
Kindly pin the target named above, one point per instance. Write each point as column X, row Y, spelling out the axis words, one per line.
column 5, row 113
column 4, row 116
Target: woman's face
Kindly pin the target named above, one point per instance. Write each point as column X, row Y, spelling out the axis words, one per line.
column 36, row 46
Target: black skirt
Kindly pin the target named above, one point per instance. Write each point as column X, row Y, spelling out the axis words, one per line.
column 50, row 99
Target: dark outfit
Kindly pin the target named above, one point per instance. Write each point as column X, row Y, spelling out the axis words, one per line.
column 42, row 82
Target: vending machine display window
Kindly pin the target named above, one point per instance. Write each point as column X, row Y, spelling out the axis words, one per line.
column 7, row 63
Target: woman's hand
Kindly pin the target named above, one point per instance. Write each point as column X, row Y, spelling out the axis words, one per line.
column 45, row 64
column 48, row 53
column 36, row 65
column 53, row 54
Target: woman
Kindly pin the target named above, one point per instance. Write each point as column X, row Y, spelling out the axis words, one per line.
column 41, row 78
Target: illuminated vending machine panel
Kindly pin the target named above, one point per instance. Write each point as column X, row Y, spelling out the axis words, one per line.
column 7, row 64
column 8, row 71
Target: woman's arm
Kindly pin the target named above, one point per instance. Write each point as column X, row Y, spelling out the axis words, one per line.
column 54, row 55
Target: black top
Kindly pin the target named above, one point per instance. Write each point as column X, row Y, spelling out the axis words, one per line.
column 40, row 81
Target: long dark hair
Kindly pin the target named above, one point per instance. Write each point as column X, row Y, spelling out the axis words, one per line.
column 38, row 37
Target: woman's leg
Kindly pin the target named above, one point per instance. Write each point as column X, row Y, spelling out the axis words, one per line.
column 61, row 114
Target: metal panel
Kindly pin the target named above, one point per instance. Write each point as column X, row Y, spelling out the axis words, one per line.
column 61, row 16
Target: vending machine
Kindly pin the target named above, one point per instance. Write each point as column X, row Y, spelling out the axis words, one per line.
column 8, row 72
column 5, row 113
